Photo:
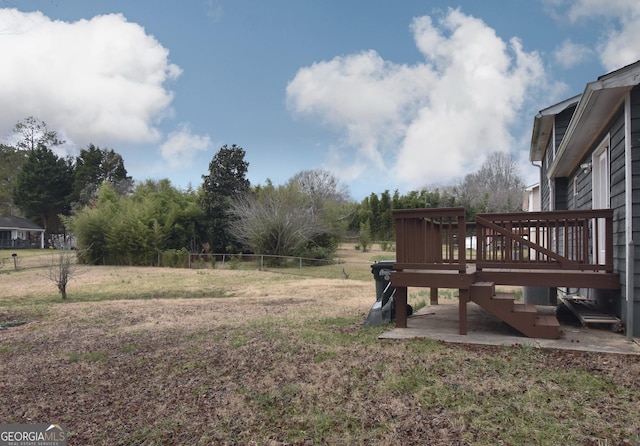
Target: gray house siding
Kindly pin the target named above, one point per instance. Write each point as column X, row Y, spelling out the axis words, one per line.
column 560, row 197
column 608, row 108
column 562, row 194
column 616, row 132
column 561, row 123
column 580, row 188
column 576, row 193
column 635, row 197
column 562, row 185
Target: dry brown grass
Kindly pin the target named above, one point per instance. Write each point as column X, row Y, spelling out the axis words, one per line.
column 147, row 356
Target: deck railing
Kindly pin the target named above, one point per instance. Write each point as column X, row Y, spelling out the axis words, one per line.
column 566, row 240
column 429, row 238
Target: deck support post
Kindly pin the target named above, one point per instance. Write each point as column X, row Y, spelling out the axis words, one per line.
column 433, row 296
column 401, row 307
column 462, row 310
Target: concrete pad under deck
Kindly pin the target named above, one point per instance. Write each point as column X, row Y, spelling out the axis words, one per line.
column 440, row 322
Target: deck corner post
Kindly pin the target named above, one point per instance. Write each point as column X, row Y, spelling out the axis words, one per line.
column 463, row 298
column 401, row 307
column 433, row 296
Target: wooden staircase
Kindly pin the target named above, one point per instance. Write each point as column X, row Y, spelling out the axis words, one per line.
column 522, row 317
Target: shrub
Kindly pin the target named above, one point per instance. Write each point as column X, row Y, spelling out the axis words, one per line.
column 318, row 253
column 175, row 258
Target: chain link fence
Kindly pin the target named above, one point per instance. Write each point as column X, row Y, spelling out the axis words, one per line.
column 18, row 260
column 328, row 268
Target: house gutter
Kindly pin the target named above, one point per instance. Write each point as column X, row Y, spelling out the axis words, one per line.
column 628, row 218
column 539, row 166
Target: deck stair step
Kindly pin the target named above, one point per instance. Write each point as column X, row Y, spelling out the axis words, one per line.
column 522, row 317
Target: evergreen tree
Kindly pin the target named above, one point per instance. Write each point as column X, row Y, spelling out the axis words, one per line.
column 10, row 162
column 385, row 231
column 42, row 187
column 93, row 167
column 364, row 236
column 43, row 182
column 374, row 219
column 226, row 179
column 396, row 202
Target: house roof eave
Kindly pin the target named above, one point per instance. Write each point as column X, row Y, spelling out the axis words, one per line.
column 20, row 224
column 543, row 127
column 599, row 102
column 594, row 111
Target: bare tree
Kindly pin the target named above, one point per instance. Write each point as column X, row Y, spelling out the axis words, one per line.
column 33, row 133
column 61, row 269
column 326, row 197
column 279, row 221
column 496, row 187
column 320, row 185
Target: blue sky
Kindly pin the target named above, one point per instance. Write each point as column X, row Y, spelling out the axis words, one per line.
column 386, row 95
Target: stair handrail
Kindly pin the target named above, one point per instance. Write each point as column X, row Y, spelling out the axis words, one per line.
column 570, row 238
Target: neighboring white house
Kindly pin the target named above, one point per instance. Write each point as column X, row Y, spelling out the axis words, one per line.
column 531, row 199
column 20, row 233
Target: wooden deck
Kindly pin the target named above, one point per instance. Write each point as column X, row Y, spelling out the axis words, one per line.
column 553, row 249
column 517, row 277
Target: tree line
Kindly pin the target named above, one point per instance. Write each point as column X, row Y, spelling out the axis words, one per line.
column 37, row 183
column 497, row 186
column 118, row 221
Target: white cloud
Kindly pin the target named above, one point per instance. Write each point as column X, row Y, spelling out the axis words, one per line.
column 615, row 22
column 580, row 9
column 361, row 94
column 341, row 167
column 181, row 147
column 431, row 121
column 100, row 80
column 569, row 54
column 621, row 47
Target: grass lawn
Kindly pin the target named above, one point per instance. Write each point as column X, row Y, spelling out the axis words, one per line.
column 149, row 356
